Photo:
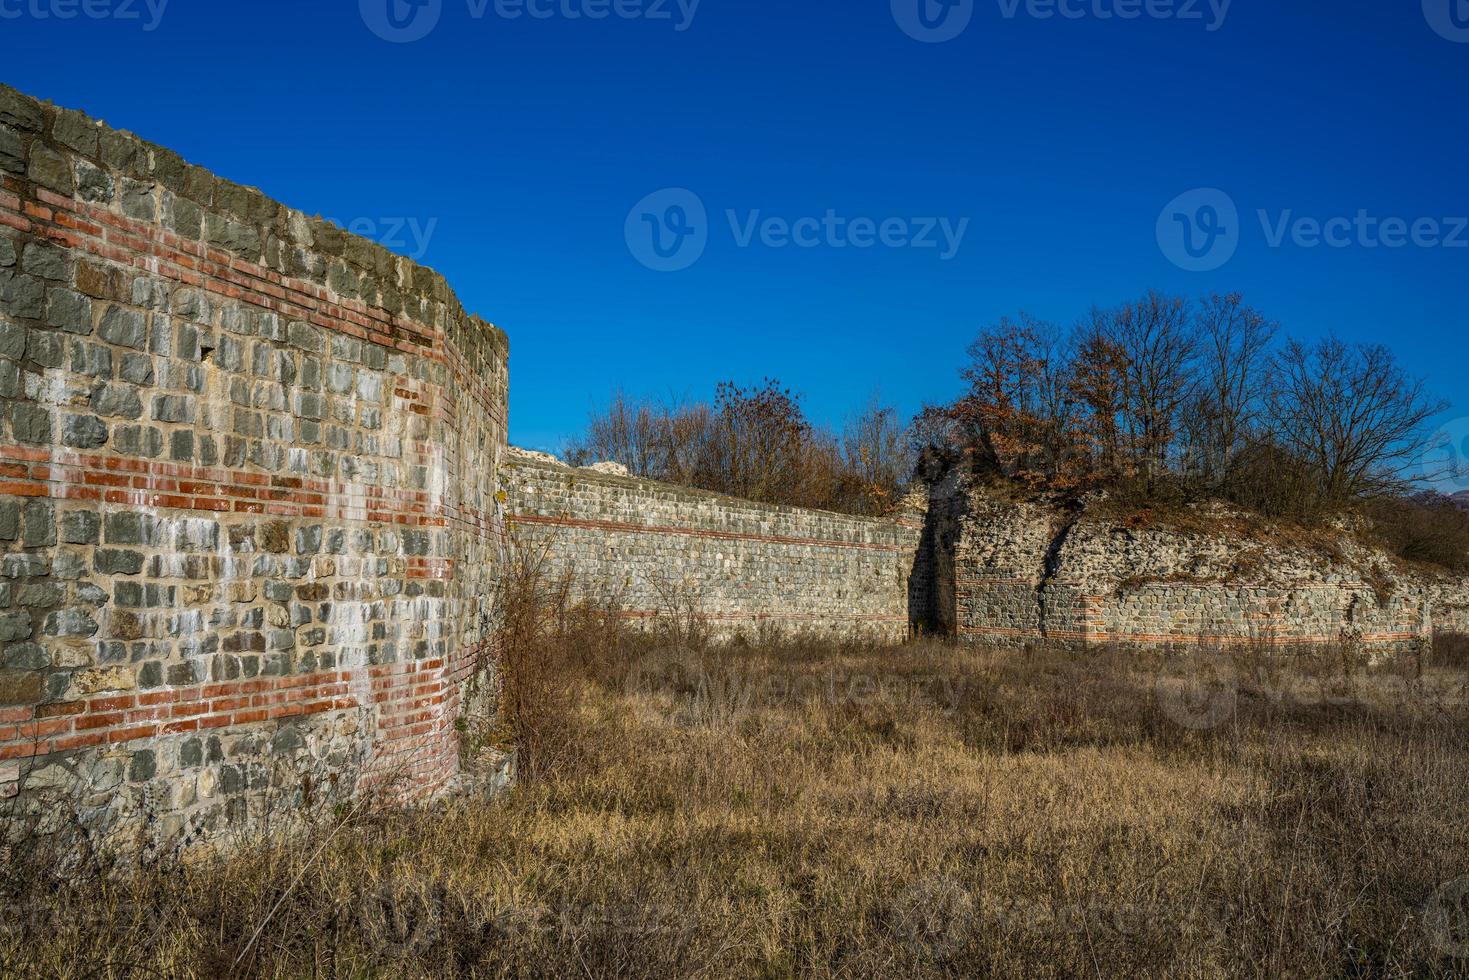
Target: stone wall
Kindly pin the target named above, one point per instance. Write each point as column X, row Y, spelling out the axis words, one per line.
column 1024, row 571
column 248, row 534
column 654, row 547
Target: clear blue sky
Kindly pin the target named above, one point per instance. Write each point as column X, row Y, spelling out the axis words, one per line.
column 524, row 143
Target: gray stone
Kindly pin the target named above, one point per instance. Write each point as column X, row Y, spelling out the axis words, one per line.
column 138, row 200
column 94, row 184
column 46, row 260
column 69, row 310
column 83, row 431
column 15, row 626
column 12, row 152
column 42, row 594
column 137, row 368
column 70, row 622
column 50, row 169
column 150, row 293
column 308, row 539
column 12, row 339
column 173, row 408
column 9, row 518
column 27, row 656
column 20, row 111
column 21, row 295
column 131, row 527
column 138, row 440
column 191, row 304
column 306, row 337
column 80, row 527
column 117, row 401
column 91, row 359
column 150, row 675
column 183, row 216
column 24, row 566
column 181, row 446
column 45, row 348
column 124, row 327
column 143, row 766
column 39, row 517
column 118, row 562
column 75, row 130
column 7, row 252
column 31, row 424
column 231, row 235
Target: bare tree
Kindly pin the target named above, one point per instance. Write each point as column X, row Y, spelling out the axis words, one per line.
column 1234, row 342
column 629, row 432
column 1157, row 338
column 1352, row 413
column 876, row 460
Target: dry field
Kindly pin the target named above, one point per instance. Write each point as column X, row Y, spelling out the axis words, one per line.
column 785, row 810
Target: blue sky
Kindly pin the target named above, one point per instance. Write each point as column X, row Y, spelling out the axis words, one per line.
column 511, row 152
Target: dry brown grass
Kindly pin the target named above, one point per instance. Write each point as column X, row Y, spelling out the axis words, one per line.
column 811, row 810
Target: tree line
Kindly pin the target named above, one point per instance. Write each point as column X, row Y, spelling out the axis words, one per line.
column 1161, row 396
column 1159, row 400
column 756, row 443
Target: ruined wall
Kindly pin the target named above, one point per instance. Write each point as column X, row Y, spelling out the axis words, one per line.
column 248, row 532
column 1025, row 571
column 652, row 546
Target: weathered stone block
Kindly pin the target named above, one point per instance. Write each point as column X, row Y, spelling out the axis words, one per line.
column 39, row 521
column 45, row 348
column 22, row 295
column 50, row 169
column 83, row 431
column 12, row 151
column 124, row 327
column 69, row 310
column 116, row 401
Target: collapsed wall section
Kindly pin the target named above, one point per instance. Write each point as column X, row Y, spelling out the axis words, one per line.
column 1028, row 572
column 655, row 548
column 248, row 534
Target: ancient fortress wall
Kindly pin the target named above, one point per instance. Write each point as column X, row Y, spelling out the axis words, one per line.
column 1022, row 572
column 248, row 534
column 252, row 478
column 655, row 548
